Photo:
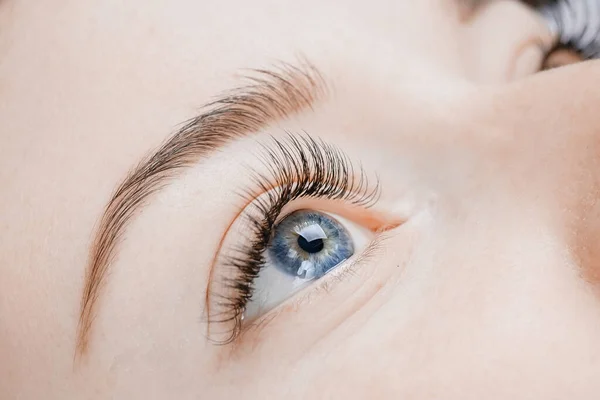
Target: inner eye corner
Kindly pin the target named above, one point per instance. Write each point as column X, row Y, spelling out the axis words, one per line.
column 389, row 226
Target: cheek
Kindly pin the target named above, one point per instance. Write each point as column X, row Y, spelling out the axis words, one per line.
column 500, row 302
column 441, row 336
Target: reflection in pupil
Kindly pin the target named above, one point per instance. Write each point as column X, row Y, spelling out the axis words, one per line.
column 314, row 246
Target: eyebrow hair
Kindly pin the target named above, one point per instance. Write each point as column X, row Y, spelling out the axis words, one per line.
column 268, row 95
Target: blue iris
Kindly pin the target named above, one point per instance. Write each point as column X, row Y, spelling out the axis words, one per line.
column 307, row 244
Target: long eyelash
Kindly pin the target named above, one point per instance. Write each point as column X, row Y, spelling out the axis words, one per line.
column 298, row 166
column 577, row 24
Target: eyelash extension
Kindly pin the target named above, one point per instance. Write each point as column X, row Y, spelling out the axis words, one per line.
column 576, row 23
column 298, row 166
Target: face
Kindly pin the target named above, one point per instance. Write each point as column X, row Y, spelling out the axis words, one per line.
column 402, row 206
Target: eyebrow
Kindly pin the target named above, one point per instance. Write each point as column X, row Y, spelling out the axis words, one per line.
column 268, row 95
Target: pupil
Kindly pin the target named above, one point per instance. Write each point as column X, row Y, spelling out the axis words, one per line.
column 314, row 246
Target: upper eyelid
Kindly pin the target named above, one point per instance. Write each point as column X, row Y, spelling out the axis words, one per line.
column 306, row 156
column 375, row 218
column 251, row 194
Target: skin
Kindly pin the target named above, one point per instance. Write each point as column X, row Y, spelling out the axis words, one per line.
column 487, row 289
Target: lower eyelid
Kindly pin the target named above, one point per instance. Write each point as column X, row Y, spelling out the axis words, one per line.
column 322, row 287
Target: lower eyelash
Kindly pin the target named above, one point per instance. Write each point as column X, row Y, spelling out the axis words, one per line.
column 298, row 166
column 327, row 283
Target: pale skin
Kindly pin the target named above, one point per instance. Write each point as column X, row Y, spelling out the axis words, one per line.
column 485, row 286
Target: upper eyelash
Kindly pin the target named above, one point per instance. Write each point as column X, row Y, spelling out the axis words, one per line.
column 298, row 166
column 577, row 28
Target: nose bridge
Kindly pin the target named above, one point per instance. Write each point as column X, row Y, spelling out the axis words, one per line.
column 541, row 141
column 552, row 136
column 552, row 115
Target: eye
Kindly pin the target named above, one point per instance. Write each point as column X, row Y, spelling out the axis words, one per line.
column 576, row 24
column 560, row 57
column 305, row 246
column 269, row 252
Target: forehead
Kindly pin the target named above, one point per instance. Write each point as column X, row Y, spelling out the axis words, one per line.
column 77, row 114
